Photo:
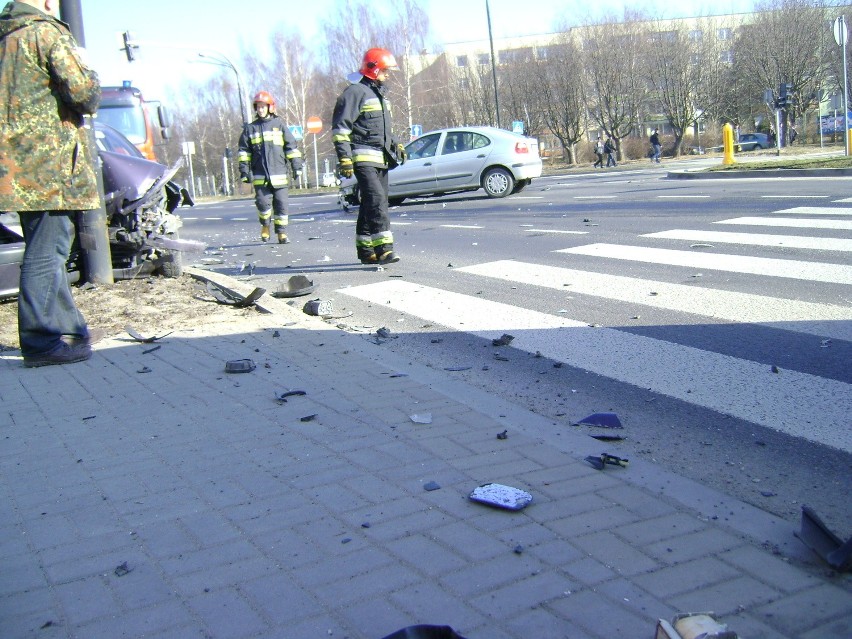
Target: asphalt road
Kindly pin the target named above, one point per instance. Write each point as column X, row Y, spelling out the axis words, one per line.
column 712, row 316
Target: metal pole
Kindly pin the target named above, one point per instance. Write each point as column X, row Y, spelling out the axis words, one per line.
column 226, row 62
column 91, row 225
column 493, row 64
column 316, row 162
column 227, row 182
column 845, row 87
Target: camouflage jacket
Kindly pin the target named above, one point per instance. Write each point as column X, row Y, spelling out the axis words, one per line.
column 45, row 88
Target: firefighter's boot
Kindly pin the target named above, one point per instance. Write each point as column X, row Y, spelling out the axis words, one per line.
column 264, row 232
column 385, row 254
column 283, row 239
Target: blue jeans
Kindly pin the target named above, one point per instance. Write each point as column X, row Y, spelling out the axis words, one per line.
column 46, row 308
column 657, row 149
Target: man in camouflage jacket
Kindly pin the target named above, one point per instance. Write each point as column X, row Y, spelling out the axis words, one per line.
column 46, row 170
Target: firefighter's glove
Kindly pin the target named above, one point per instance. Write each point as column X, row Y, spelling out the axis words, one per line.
column 245, row 177
column 297, row 173
column 344, row 168
column 401, row 155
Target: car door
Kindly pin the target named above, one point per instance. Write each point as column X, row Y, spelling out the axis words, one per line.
column 417, row 175
column 463, row 156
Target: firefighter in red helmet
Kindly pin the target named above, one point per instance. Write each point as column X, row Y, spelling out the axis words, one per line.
column 266, row 148
column 367, row 149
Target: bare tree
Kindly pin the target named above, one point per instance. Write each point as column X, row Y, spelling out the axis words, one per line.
column 675, row 75
column 618, row 85
column 563, row 98
column 785, row 43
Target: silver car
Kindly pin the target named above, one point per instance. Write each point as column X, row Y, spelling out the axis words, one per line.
column 460, row 159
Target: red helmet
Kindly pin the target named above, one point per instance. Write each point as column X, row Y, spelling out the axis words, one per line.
column 376, row 61
column 264, row 98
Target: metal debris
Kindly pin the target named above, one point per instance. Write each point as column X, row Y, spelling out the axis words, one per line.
column 240, row 366
column 501, row 496
column 141, row 338
column 503, row 340
column 425, row 418
column 232, row 298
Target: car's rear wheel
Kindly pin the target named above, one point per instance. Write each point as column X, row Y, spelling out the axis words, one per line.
column 395, row 201
column 498, row 182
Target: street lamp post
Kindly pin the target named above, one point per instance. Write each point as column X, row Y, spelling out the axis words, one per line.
column 224, row 61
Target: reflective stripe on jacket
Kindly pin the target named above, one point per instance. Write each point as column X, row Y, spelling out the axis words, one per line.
column 361, row 125
column 265, row 149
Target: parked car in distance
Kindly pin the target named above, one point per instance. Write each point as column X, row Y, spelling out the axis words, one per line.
column 460, row 159
column 753, row 141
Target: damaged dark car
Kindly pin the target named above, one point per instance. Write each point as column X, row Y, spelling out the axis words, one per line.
column 140, row 199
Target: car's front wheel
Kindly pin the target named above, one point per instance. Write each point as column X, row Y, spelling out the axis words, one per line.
column 498, row 182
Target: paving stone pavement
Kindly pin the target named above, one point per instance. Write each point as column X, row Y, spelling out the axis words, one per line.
column 148, row 493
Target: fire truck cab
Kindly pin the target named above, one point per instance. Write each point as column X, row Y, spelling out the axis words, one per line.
column 123, row 108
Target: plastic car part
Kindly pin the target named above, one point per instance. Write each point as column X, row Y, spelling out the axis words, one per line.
column 501, row 496
column 240, row 366
column 295, row 286
column 601, row 420
column 425, row 632
column 692, row 625
column 816, row 536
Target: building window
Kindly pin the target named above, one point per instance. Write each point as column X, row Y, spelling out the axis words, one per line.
column 461, row 61
column 727, row 56
column 696, row 35
column 484, row 59
column 542, row 52
column 504, row 57
column 724, row 34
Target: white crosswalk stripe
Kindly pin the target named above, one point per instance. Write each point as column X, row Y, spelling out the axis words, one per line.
column 755, row 239
column 770, row 267
column 816, row 210
column 795, row 403
column 790, row 222
column 826, row 320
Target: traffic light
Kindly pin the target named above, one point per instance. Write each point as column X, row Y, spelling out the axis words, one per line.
column 785, row 95
column 129, row 46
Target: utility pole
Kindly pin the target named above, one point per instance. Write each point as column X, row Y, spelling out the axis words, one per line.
column 493, row 64
column 91, row 225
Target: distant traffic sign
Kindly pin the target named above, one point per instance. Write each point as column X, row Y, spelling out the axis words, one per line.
column 297, row 131
column 314, row 124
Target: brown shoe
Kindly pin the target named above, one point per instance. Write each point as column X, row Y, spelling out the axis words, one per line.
column 62, row 354
column 95, row 336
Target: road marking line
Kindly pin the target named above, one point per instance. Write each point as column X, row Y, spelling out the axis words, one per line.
column 685, row 197
column 594, row 197
column 766, row 266
column 527, row 197
column 459, row 226
column 797, row 197
column 816, row 210
column 790, row 222
column 556, row 231
column 212, row 219
column 756, row 239
column 795, row 403
column 826, row 320
column 239, row 219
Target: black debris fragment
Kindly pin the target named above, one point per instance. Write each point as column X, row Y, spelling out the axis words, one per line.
column 601, row 420
column 775, row 369
column 122, row 570
column 144, row 369
column 282, row 397
column 503, row 340
column 308, row 418
column 503, row 435
column 383, row 332
column 148, row 351
column 141, row 338
column 518, row 549
column 431, row 485
column 240, row 366
column 232, row 298
column 606, row 459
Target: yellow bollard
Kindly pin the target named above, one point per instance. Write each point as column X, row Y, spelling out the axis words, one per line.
column 728, row 144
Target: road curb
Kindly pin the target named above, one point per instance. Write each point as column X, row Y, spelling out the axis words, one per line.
column 703, row 174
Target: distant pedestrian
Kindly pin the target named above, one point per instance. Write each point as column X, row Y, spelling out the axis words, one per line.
column 599, row 153
column 793, row 134
column 609, row 149
column 655, row 143
column 46, row 171
column 771, row 136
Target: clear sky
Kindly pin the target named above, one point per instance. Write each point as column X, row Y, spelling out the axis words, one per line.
column 219, row 25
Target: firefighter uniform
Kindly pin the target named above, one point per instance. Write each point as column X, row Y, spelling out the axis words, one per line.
column 266, row 148
column 361, row 131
